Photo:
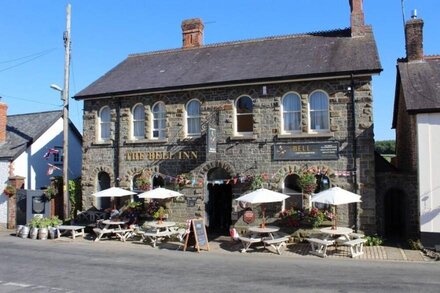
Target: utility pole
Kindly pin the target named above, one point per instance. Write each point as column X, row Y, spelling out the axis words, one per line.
column 66, row 38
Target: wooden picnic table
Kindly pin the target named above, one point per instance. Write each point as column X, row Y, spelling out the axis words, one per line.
column 72, row 229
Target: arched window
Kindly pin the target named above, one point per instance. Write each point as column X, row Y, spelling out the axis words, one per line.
column 193, row 118
column 318, row 106
column 291, row 113
column 104, row 123
column 159, row 120
column 244, row 118
column 138, row 118
column 103, row 183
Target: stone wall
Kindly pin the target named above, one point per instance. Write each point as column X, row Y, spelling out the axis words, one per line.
column 243, row 156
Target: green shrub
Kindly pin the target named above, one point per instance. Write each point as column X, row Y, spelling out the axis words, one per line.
column 374, row 240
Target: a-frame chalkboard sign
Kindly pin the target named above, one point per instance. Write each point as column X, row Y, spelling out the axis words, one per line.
column 197, row 236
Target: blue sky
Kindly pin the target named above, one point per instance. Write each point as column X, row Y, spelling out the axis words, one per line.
column 104, row 32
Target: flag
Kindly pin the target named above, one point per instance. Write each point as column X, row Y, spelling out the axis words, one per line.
column 50, row 151
column 51, row 168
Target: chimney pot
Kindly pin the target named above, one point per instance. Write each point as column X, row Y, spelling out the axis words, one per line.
column 192, row 32
column 357, row 18
column 414, row 39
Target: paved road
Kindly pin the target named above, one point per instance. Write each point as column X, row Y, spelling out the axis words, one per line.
column 84, row 266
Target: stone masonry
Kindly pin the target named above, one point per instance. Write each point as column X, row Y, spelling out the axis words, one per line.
column 244, row 156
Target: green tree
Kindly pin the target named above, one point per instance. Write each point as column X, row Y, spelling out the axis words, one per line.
column 385, row 146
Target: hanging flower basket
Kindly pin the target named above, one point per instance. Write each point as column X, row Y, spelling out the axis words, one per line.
column 10, row 190
column 307, row 182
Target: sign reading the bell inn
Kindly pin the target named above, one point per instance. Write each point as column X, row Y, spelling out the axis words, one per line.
column 154, row 156
column 306, row 151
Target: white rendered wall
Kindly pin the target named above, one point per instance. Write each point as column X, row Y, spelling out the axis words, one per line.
column 428, row 143
column 4, row 173
column 32, row 165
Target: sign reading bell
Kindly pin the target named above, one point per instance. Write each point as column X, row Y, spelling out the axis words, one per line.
column 306, row 151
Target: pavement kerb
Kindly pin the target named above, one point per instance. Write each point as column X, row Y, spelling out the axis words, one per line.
column 225, row 245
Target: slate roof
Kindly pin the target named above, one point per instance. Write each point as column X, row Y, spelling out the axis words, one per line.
column 273, row 58
column 23, row 129
column 420, row 82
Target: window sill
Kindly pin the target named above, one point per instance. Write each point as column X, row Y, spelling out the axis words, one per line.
column 144, row 141
column 102, row 143
column 244, row 137
column 305, row 135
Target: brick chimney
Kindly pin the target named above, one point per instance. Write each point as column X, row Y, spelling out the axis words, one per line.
column 3, row 121
column 414, row 39
column 357, row 18
column 192, row 33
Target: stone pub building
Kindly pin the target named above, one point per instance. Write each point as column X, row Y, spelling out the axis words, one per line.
column 214, row 118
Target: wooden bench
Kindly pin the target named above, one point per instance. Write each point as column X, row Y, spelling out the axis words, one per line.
column 356, row 246
column 156, row 236
column 101, row 232
column 247, row 242
column 72, row 229
column 319, row 246
column 277, row 243
column 123, row 234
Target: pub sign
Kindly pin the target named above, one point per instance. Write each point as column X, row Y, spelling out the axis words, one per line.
column 306, row 151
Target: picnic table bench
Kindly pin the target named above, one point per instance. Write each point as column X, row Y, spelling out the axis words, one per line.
column 72, row 229
column 319, row 246
column 356, row 246
column 277, row 243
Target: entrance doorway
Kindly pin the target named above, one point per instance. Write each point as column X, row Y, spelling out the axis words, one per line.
column 395, row 207
column 219, row 205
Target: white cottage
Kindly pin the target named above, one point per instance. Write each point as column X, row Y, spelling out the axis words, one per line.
column 417, row 123
column 25, row 139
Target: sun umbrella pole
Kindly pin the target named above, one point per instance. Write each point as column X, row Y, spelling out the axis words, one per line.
column 336, row 218
column 263, row 224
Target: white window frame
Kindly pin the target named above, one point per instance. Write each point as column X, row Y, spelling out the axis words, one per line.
column 236, row 114
column 153, row 119
column 194, row 117
column 310, row 111
column 135, row 121
column 102, row 123
column 284, row 112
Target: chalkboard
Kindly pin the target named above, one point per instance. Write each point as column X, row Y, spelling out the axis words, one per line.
column 197, row 235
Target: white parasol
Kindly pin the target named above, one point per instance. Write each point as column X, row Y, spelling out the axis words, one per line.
column 113, row 192
column 336, row 196
column 159, row 193
column 262, row 195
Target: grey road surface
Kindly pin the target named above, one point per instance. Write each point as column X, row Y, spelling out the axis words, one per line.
column 110, row 266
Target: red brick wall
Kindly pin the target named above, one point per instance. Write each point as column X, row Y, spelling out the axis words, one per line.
column 3, row 121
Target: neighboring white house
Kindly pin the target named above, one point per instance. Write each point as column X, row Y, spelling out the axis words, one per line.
column 25, row 139
column 417, row 123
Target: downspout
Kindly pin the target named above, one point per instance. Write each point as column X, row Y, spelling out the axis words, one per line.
column 117, row 148
column 355, row 181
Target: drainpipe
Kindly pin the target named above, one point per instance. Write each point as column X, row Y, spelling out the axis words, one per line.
column 355, row 182
column 117, row 142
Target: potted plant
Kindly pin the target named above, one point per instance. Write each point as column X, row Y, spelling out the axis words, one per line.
column 34, row 225
column 158, row 215
column 10, row 190
column 53, row 229
column 43, row 231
